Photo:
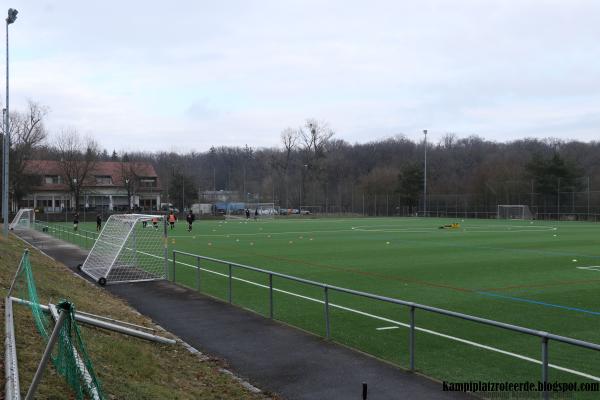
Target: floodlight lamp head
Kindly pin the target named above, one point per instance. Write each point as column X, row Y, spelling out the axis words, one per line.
column 12, row 16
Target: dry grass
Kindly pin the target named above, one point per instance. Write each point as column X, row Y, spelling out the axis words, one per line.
column 128, row 368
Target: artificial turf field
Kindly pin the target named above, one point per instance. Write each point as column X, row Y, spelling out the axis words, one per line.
column 541, row 275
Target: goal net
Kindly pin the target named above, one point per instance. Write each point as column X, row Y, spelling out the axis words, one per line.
column 518, row 211
column 23, row 220
column 310, row 210
column 262, row 210
column 130, row 248
column 255, row 210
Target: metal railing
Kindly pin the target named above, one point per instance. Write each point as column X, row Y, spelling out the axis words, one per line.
column 412, row 307
column 87, row 238
column 66, row 234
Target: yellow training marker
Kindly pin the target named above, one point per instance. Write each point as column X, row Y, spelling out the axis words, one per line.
column 209, row 243
column 173, row 241
column 251, row 243
column 291, row 242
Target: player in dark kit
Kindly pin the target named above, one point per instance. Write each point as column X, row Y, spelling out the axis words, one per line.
column 76, row 221
column 190, row 220
column 98, row 223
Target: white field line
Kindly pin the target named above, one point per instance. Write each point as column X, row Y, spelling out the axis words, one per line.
column 385, row 328
column 263, row 233
column 457, row 339
column 591, row 268
column 391, row 321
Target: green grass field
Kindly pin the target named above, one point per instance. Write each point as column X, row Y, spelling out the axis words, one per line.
column 540, row 275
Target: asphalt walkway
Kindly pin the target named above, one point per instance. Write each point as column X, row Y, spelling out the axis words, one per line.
column 270, row 355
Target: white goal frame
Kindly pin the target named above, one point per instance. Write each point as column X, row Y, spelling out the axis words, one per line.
column 514, row 211
column 265, row 210
column 24, row 219
column 130, row 248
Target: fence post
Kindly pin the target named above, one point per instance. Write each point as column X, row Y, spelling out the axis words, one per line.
column 411, row 338
column 174, row 265
column 198, row 273
column 545, row 367
column 86, row 239
column 271, row 296
column 229, row 290
column 327, row 328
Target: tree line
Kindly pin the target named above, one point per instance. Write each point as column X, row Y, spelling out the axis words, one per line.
column 313, row 166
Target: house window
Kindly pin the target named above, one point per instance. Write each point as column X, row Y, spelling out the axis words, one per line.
column 45, row 203
column 103, row 180
column 148, row 182
column 52, row 179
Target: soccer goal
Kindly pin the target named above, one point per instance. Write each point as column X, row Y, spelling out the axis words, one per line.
column 235, row 211
column 24, row 219
column 262, row 210
column 130, row 248
column 506, row 211
column 311, row 210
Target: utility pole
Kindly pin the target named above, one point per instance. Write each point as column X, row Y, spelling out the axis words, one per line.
column 425, row 175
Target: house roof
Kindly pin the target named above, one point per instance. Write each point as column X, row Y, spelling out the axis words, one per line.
column 114, row 169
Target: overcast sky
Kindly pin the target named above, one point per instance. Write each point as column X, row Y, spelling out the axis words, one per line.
column 188, row 75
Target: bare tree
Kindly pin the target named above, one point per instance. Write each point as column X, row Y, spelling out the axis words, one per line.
column 27, row 134
column 77, row 158
column 289, row 139
column 314, row 136
column 130, row 175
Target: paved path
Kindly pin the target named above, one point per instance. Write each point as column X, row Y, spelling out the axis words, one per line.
column 270, row 355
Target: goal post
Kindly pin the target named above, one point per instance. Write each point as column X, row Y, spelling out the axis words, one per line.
column 262, row 210
column 514, row 211
column 256, row 210
column 130, row 248
column 24, row 219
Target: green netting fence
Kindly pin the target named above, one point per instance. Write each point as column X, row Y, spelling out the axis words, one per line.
column 70, row 357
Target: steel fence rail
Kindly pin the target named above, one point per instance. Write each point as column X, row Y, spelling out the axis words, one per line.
column 545, row 337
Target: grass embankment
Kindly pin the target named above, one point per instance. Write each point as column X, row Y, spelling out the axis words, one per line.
column 128, row 368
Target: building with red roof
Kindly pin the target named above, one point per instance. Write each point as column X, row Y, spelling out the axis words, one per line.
column 108, row 186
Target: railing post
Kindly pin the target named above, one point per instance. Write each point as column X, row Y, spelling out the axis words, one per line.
column 46, row 356
column 86, row 239
column 174, row 265
column 411, row 338
column 198, row 273
column 546, row 393
column 327, row 328
column 229, row 290
column 271, row 296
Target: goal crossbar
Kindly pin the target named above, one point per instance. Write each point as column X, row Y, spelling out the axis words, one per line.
column 514, row 211
column 24, row 218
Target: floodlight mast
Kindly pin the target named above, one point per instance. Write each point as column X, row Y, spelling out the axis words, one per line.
column 425, row 175
column 11, row 18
